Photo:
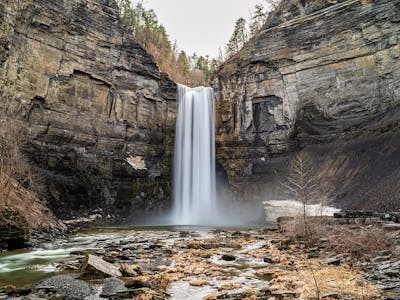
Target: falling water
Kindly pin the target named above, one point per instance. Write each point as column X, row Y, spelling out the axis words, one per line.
column 194, row 160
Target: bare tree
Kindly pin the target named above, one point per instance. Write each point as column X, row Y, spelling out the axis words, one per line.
column 301, row 184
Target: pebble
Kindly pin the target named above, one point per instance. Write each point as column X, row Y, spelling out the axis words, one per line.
column 199, row 283
column 269, row 260
column 230, row 286
column 228, row 257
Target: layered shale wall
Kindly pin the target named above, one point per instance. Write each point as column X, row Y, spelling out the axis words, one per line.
column 93, row 100
column 324, row 76
column 321, row 75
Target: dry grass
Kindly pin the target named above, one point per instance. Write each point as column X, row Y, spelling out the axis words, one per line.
column 31, row 207
column 312, row 282
column 359, row 243
column 295, row 229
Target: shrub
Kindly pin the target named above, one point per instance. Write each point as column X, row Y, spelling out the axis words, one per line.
column 361, row 242
column 15, row 169
column 21, row 190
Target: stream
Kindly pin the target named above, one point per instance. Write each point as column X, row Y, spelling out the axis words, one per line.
column 153, row 249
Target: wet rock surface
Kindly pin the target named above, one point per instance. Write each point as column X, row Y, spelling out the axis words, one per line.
column 161, row 265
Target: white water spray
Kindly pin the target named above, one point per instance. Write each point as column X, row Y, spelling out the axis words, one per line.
column 194, row 159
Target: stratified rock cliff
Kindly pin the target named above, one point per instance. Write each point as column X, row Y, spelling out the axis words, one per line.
column 93, row 99
column 321, row 75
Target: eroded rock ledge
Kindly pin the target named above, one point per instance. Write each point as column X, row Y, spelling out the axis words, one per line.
column 92, row 98
column 324, row 75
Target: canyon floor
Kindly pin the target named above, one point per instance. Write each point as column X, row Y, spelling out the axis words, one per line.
column 208, row 263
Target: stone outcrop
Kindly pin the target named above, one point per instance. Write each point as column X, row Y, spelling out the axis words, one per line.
column 321, row 75
column 92, row 98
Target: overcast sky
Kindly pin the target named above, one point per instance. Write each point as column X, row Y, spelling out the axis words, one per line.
column 200, row 26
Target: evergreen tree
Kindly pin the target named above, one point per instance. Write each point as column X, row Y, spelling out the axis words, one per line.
column 258, row 18
column 242, row 33
column 148, row 32
column 184, row 60
column 238, row 38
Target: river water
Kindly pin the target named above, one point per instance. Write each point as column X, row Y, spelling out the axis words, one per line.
column 25, row 267
column 21, row 267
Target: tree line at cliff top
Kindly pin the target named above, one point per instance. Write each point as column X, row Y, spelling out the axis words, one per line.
column 184, row 68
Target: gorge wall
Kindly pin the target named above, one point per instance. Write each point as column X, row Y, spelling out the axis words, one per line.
column 94, row 101
column 324, row 76
column 321, row 75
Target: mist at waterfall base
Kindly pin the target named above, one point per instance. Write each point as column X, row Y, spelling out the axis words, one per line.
column 196, row 200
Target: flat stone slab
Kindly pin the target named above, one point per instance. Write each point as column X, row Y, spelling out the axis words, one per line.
column 94, row 266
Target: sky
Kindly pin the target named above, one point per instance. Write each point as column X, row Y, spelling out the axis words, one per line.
column 200, row 26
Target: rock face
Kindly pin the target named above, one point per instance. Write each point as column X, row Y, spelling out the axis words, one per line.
column 321, row 75
column 93, row 98
column 14, row 229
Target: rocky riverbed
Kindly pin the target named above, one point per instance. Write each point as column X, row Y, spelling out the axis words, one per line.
column 195, row 263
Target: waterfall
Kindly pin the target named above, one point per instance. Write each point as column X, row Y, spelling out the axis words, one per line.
column 194, row 158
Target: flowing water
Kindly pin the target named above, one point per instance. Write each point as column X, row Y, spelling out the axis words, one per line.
column 25, row 267
column 194, row 160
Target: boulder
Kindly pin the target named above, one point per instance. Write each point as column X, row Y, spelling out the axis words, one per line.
column 95, row 267
column 113, row 286
column 67, row 286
